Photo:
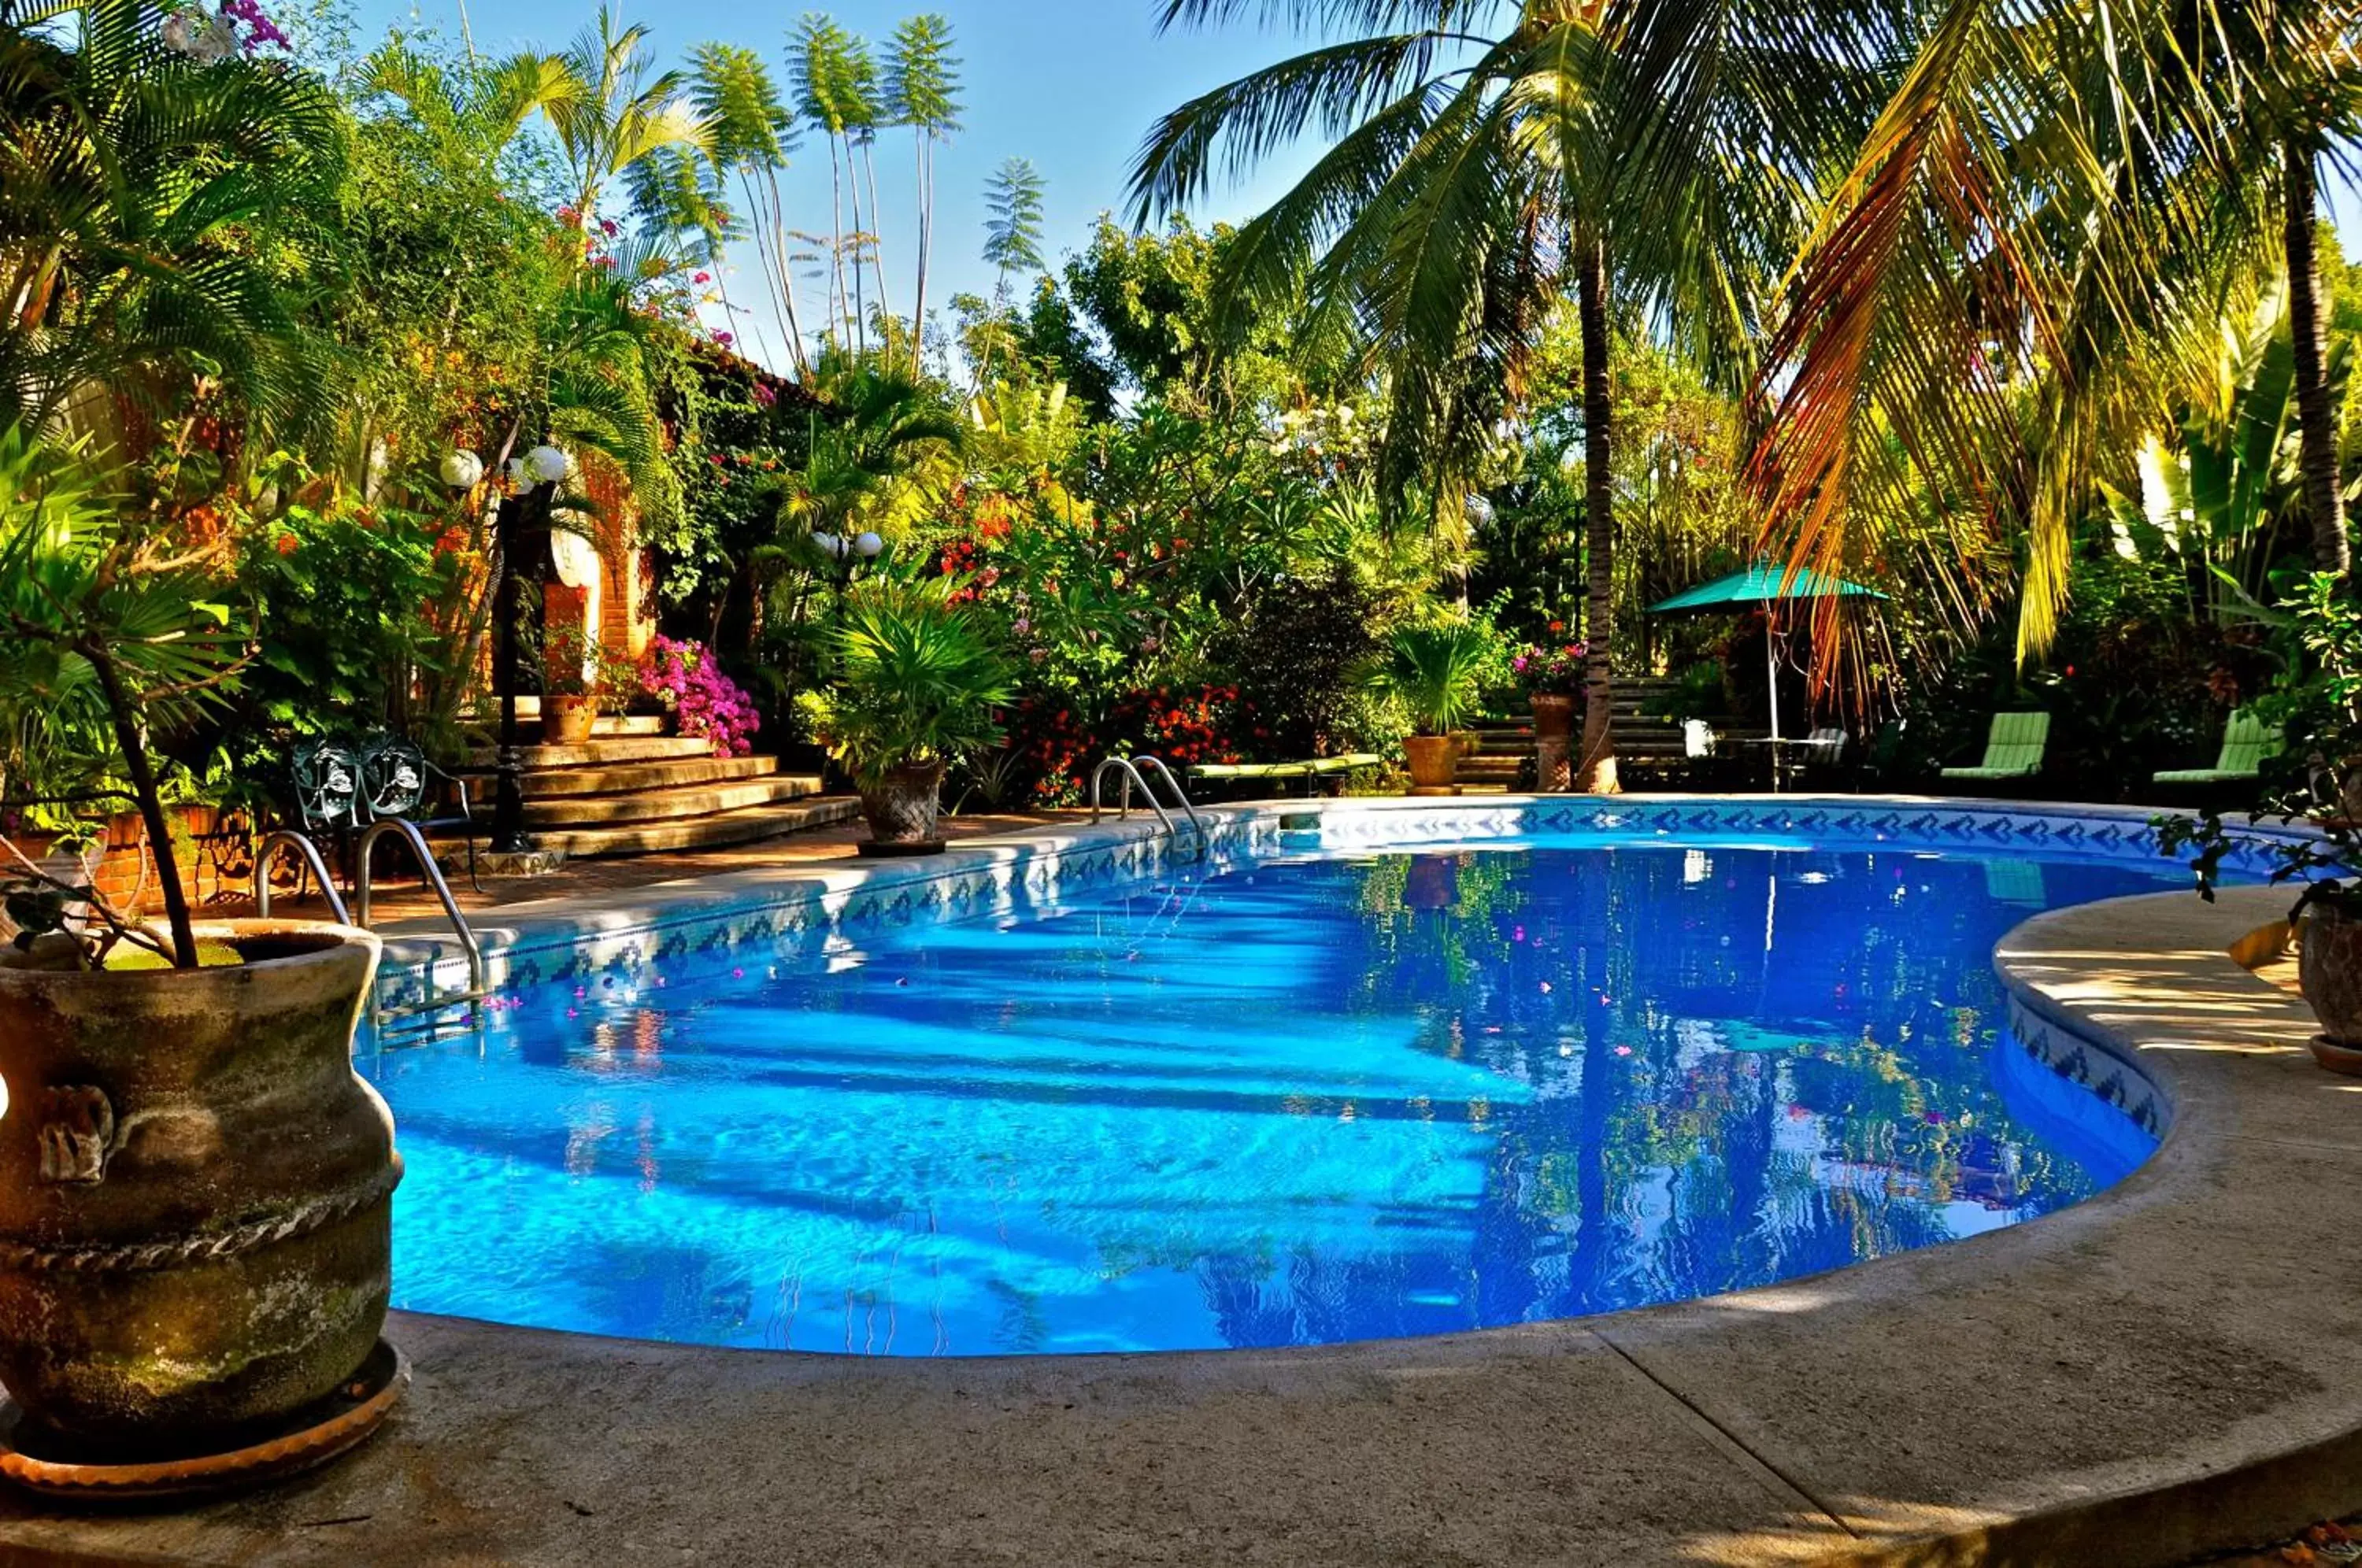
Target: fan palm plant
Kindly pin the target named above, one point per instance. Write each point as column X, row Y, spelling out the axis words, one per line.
column 1437, row 673
column 129, row 174
column 919, row 683
column 918, row 679
column 89, row 603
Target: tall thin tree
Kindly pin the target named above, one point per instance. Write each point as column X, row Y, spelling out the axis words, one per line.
column 753, row 134
column 1014, row 204
column 922, row 93
column 817, row 51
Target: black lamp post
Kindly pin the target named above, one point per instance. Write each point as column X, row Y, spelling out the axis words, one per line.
column 508, row 791
column 533, row 487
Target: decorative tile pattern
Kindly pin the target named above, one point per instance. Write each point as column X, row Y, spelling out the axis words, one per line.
column 2117, row 1079
column 1032, row 875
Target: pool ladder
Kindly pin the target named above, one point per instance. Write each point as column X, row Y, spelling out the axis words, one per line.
column 1139, row 770
column 316, row 868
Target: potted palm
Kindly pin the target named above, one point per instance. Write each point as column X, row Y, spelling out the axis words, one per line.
column 1436, row 674
column 918, row 683
column 195, row 1187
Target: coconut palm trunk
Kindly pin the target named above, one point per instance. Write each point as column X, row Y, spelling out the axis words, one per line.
column 1595, row 772
column 2316, row 398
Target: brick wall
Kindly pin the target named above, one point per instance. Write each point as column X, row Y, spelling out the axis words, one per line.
column 214, row 849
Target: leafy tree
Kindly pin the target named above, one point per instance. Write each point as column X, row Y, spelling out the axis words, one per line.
column 1012, row 231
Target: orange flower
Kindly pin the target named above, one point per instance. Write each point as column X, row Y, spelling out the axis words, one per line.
column 284, row 544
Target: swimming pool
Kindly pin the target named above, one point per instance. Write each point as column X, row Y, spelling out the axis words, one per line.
column 1326, row 1088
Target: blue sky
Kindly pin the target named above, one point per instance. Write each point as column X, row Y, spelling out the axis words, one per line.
column 1071, row 84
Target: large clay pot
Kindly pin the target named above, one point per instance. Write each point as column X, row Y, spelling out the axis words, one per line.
column 567, row 720
column 196, row 1191
column 1434, row 760
column 903, row 806
column 1553, row 715
column 2329, row 966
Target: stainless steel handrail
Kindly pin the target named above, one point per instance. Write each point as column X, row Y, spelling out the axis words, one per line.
column 1128, row 769
column 1151, row 766
column 312, row 867
column 435, row 1001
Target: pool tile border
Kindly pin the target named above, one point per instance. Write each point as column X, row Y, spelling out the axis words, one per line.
column 622, row 936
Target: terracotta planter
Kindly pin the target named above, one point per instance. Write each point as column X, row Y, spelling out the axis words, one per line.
column 195, row 1192
column 1434, row 760
column 1553, row 715
column 2338, row 1058
column 2329, row 968
column 903, row 807
column 567, row 720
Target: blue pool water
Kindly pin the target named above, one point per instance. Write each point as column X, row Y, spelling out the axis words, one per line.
column 1343, row 1096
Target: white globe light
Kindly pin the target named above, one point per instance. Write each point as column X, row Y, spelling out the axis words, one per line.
column 463, row 469
column 518, row 477
column 869, row 545
column 549, row 465
column 829, row 543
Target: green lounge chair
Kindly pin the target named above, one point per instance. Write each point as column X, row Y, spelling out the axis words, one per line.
column 2247, row 742
column 1274, row 772
column 2013, row 749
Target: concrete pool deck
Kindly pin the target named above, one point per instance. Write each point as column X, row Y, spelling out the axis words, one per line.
column 2171, row 1367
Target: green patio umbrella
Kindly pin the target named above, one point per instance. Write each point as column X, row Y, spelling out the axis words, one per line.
column 1760, row 584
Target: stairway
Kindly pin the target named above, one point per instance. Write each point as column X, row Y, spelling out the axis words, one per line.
column 1647, row 744
column 633, row 789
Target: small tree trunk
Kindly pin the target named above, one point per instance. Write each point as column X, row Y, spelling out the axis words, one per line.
column 2315, row 399
column 151, row 806
column 1595, row 772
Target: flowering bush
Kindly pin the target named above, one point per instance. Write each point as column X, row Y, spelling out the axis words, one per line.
column 1550, row 668
column 708, row 703
column 1058, row 745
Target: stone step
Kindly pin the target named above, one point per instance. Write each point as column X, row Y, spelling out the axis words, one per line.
column 554, row 782
column 746, row 826
column 605, row 724
column 666, row 805
column 600, row 753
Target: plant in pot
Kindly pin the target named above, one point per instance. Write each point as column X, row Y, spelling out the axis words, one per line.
column 1552, row 675
column 2309, row 786
column 195, row 1185
column 1436, row 673
column 919, row 681
column 581, row 680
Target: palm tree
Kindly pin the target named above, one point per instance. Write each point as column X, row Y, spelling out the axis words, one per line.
column 608, row 113
column 130, row 174
column 2027, row 253
column 1464, row 194
column 2317, row 419
column 753, row 133
column 922, row 92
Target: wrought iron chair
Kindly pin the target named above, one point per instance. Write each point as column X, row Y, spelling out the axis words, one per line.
column 342, row 786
